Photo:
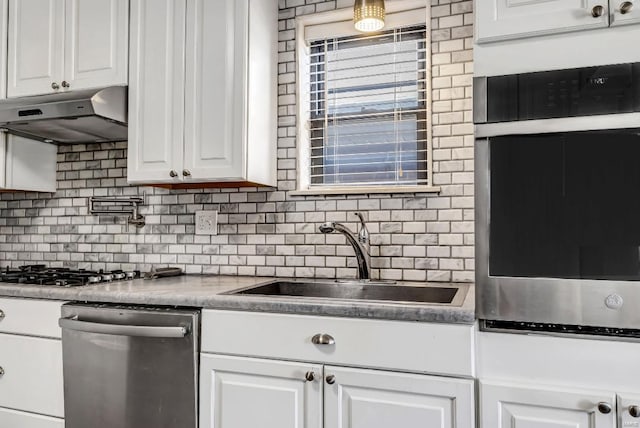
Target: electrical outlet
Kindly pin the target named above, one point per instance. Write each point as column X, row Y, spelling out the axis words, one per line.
column 206, row 222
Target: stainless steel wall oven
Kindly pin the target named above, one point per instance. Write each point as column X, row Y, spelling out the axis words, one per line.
column 558, row 199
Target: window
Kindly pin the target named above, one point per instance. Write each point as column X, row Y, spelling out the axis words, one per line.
column 365, row 115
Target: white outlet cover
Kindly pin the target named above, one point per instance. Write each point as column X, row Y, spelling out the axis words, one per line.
column 206, row 222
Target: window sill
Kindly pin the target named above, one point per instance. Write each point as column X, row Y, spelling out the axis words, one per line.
column 365, row 190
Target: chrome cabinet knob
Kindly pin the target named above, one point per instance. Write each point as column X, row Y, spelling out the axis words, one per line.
column 65, row 84
column 172, row 173
column 1, row 314
column 186, row 172
column 55, row 86
column 634, row 411
column 331, row 379
column 1, row 371
column 625, row 7
column 604, row 408
column 323, row 339
column 310, row 376
column 597, row 11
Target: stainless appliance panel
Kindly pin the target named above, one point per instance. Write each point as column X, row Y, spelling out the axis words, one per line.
column 130, row 367
column 85, row 116
column 574, row 92
column 89, row 129
column 547, row 126
column 546, row 300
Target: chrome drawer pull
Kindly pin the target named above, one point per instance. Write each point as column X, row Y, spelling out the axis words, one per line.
column 1, row 315
column 310, row 376
column 1, row 372
column 323, row 339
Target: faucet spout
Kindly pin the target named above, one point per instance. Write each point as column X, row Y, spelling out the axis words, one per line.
column 360, row 244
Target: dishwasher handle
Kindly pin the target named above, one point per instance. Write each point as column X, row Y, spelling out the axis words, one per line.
column 73, row 323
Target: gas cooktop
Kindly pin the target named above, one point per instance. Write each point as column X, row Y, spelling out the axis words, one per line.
column 62, row 277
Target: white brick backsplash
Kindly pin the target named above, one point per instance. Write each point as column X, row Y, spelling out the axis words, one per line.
column 268, row 232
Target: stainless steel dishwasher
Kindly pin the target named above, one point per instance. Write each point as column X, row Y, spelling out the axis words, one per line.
column 130, row 367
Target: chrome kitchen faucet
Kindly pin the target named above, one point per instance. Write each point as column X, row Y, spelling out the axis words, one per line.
column 360, row 244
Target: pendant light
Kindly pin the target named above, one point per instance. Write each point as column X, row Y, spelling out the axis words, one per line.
column 368, row 15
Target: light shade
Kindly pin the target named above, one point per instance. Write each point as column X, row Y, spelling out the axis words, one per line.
column 368, row 15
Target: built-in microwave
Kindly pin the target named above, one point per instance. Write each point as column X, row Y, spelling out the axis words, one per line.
column 558, row 200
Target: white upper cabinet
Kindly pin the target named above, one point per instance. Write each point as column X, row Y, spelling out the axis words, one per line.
column 215, row 88
column 498, row 20
column 220, row 82
column 36, row 46
column 156, row 92
column 96, row 43
column 59, row 45
column 27, row 164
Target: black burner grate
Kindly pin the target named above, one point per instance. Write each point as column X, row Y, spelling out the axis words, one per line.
column 62, row 277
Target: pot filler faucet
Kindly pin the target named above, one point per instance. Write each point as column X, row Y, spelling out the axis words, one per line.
column 360, row 244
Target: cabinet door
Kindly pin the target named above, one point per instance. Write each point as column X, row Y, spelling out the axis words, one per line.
column 14, row 419
column 628, row 405
column 508, row 406
column 510, row 19
column 36, row 46
column 378, row 399
column 30, row 165
column 156, row 90
column 32, row 379
column 624, row 12
column 96, row 43
column 240, row 392
column 215, row 125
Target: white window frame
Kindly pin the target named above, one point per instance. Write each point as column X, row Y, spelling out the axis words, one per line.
column 339, row 23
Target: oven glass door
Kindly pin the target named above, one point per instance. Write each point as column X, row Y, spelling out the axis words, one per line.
column 566, row 205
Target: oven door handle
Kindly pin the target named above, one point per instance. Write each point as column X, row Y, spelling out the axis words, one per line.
column 73, row 323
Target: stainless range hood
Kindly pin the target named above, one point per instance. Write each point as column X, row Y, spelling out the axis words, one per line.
column 86, row 116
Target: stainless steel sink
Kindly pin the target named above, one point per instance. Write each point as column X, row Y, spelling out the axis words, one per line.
column 452, row 295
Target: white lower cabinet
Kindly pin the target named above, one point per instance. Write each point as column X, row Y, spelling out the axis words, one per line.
column 238, row 392
column 519, row 406
column 15, row 419
column 540, row 381
column 32, row 379
column 250, row 392
column 31, row 382
column 277, row 371
column 360, row 398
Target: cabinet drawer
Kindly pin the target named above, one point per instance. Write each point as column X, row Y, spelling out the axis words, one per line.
column 406, row 346
column 32, row 379
column 30, row 317
column 15, row 419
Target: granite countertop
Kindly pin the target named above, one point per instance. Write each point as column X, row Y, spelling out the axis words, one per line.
column 208, row 292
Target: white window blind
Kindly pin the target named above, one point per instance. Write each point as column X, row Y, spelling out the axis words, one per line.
column 368, row 109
